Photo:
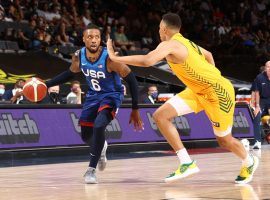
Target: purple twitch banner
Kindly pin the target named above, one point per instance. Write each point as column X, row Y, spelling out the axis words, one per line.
column 31, row 127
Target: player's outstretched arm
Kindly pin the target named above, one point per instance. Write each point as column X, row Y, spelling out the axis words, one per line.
column 66, row 75
column 148, row 60
column 125, row 72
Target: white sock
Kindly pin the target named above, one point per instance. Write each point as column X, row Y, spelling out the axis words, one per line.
column 248, row 161
column 183, row 156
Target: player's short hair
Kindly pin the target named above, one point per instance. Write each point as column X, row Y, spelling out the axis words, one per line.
column 172, row 20
column 92, row 26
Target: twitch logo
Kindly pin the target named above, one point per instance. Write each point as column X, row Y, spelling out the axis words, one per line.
column 240, row 123
column 113, row 130
column 21, row 130
column 181, row 124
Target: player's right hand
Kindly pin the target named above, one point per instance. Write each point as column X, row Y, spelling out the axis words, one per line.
column 136, row 120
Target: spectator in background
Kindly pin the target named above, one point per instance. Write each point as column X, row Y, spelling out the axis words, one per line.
column 42, row 36
column 218, row 15
column 53, row 96
column 152, row 95
column 86, row 18
column 2, row 91
column 114, row 26
column 15, row 12
column 75, row 18
column 62, row 37
column 230, row 19
column 147, row 41
column 26, row 37
column 257, row 116
column 2, row 13
column 75, row 96
column 15, row 95
column 107, row 33
column 262, row 100
column 121, row 39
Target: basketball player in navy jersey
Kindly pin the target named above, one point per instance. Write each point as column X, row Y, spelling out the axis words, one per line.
column 103, row 98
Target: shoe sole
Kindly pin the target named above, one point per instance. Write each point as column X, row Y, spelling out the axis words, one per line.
column 90, row 182
column 178, row 177
column 256, row 164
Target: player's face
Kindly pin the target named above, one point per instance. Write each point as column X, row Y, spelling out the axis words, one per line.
column 162, row 31
column 92, row 39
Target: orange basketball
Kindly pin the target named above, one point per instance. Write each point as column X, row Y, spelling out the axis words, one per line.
column 34, row 89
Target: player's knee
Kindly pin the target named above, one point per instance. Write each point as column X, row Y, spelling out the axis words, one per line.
column 225, row 142
column 222, row 143
column 158, row 117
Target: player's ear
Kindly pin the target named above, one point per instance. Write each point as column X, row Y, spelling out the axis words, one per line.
column 165, row 30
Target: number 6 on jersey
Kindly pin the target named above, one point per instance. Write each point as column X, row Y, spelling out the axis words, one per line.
column 95, row 85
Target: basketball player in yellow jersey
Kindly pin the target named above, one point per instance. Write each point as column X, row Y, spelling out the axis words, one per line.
column 206, row 90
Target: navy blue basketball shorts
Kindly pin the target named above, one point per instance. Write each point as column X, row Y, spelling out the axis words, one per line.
column 93, row 106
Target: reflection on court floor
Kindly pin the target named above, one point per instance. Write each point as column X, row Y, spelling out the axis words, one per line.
column 137, row 178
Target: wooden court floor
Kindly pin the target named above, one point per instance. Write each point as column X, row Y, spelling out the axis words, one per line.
column 136, row 178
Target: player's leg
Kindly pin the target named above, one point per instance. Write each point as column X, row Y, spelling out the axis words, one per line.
column 98, row 144
column 88, row 116
column 249, row 162
column 180, row 104
column 221, row 116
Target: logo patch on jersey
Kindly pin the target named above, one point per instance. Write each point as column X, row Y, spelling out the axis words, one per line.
column 216, row 124
column 93, row 73
column 100, row 66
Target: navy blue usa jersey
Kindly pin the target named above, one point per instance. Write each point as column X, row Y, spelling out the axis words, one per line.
column 99, row 80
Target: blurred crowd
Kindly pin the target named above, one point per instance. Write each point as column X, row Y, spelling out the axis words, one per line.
column 222, row 26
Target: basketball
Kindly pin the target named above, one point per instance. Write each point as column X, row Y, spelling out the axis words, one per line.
column 34, row 89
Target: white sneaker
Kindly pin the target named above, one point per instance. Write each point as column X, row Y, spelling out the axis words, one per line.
column 245, row 143
column 257, row 145
column 103, row 159
column 90, row 176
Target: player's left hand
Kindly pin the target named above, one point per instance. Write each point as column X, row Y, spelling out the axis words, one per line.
column 110, row 49
column 136, row 120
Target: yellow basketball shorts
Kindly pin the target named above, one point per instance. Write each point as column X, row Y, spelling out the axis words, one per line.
column 218, row 102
